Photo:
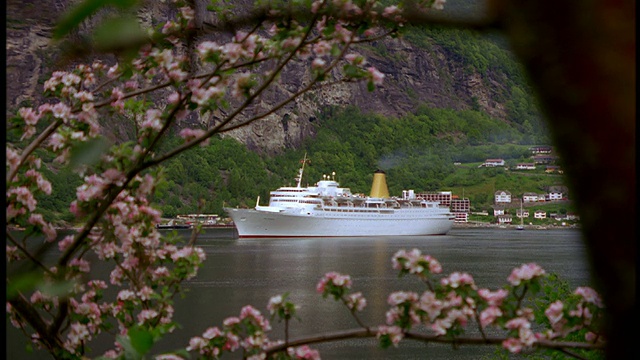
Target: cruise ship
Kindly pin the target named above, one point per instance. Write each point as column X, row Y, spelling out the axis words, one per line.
column 328, row 210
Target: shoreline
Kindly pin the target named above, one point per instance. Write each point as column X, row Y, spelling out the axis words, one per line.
column 511, row 226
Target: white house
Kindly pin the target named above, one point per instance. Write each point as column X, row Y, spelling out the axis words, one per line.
column 555, row 195
column 530, row 197
column 541, row 149
column 525, row 166
column 505, row 219
column 522, row 213
column 493, row 162
column 540, row 214
column 498, row 211
column 572, row 216
column 502, row 196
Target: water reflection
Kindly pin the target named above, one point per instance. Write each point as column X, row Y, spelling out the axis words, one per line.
column 238, row 272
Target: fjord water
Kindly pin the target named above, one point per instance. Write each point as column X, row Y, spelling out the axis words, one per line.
column 239, row 272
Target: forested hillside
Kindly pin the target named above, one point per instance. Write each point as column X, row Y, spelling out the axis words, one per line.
column 449, row 96
column 417, row 152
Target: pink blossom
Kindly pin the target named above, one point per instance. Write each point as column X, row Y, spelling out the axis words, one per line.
column 23, row 196
column 113, row 176
column 356, row 301
column 61, row 111
column 513, row 345
column 390, row 11
column 126, row 295
column 274, row 304
column 334, row 278
column 191, row 134
column 13, row 159
column 211, row 333
column 457, row 279
column 231, row 321
column 56, row 141
column 153, row 120
column 249, row 312
column 303, row 352
column 400, row 297
column 146, row 315
column 52, row 83
column 525, row 272
column 168, row 357
column 316, row 6
column 161, row 272
column 83, row 96
column 589, row 295
column 375, row 76
column 232, row 51
column 12, row 253
column 355, row 59
column 70, row 79
column 440, row 326
column 489, row 315
column 145, row 293
column 65, row 242
column 174, row 98
column 197, row 343
column 526, row 313
column 29, row 115
column 438, row 4
column 187, row 12
column 430, row 304
column 83, row 265
column 317, row 64
column 394, row 333
column 517, row 323
column 493, row 298
column 322, row 48
column 78, row 334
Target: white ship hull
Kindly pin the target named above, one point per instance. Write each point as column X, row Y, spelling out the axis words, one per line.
column 251, row 223
column 328, row 210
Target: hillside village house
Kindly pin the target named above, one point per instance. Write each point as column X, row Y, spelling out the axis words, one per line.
column 505, row 219
column 522, row 213
column 502, row 196
column 493, row 162
column 552, row 169
column 540, row 149
column 542, row 197
column 555, row 195
column 543, row 159
column 525, row 166
column 572, row 216
column 540, row 214
column 530, row 197
column 498, row 210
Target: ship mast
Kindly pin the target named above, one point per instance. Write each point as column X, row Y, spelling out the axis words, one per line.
column 299, row 178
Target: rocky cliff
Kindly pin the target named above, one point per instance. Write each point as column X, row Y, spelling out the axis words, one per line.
column 413, row 76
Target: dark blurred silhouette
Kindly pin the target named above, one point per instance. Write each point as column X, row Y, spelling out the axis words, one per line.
column 580, row 57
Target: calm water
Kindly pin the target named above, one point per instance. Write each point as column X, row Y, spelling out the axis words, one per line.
column 238, row 272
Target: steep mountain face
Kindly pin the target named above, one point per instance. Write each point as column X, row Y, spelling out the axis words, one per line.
column 413, row 76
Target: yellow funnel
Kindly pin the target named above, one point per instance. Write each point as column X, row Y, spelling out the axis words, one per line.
column 379, row 187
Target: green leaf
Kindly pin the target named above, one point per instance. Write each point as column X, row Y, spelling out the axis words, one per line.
column 130, row 352
column 57, row 288
column 83, row 10
column 119, row 33
column 141, row 340
column 89, row 152
column 22, row 283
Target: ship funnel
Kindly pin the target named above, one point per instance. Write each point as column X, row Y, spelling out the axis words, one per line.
column 379, row 187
